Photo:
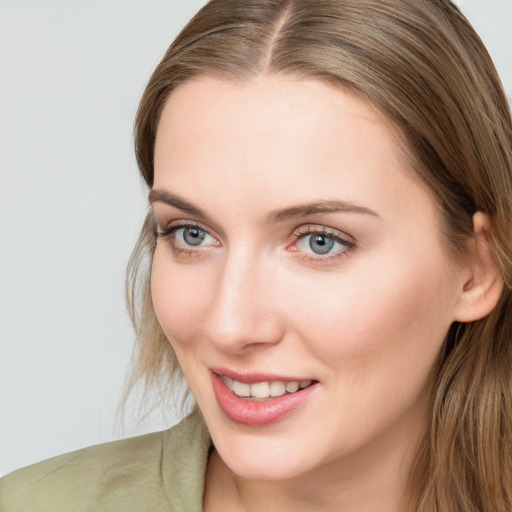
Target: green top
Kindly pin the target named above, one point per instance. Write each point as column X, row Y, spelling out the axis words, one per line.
column 156, row 472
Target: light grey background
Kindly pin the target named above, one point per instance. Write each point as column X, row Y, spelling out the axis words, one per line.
column 71, row 204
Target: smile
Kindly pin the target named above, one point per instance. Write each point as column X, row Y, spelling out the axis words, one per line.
column 263, row 390
column 258, row 400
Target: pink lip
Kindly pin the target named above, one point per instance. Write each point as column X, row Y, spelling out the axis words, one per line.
column 247, row 412
column 253, row 378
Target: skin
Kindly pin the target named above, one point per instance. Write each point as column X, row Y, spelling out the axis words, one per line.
column 366, row 321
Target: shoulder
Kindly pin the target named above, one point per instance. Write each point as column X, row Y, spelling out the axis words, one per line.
column 128, row 475
column 87, row 477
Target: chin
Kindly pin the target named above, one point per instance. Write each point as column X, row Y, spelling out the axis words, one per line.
column 264, row 469
column 264, row 455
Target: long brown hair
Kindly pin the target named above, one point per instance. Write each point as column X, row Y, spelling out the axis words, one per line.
column 422, row 65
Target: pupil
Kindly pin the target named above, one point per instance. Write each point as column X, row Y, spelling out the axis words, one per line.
column 193, row 236
column 321, row 244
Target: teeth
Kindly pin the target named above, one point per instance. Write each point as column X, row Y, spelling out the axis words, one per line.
column 291, row 387
column 262, row 390
column 277, row 388
column 228, row 382
column 241, row 389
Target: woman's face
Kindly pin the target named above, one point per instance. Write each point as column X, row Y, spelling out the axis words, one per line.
column 296, row 250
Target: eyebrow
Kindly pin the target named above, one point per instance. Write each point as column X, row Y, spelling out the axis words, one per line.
column 278, row 215
column 316, row 208
column 162, row 196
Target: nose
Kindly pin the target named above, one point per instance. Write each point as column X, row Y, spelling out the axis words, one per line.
column 243, row 314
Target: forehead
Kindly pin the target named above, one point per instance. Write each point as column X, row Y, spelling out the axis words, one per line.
column 279, row 138
column 272, row 110
column 213, row 99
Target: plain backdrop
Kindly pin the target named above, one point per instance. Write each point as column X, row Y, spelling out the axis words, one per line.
column 71, row 205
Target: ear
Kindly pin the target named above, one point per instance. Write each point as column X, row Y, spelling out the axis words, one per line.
column 483, row 283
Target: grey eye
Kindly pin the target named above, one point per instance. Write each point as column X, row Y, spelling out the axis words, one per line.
column 320, row 244
column 192, row 236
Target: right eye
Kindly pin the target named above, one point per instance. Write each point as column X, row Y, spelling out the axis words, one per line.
column 193, row 236
column 187, row 238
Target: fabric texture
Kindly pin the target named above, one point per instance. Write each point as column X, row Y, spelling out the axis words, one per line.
column 159, row 472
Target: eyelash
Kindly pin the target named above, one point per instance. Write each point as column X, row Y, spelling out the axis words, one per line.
column 302, row 233
column 176, row 247
column 309, row 230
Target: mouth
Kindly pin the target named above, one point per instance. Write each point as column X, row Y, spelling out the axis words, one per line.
column 260, row 391
column 257, row 400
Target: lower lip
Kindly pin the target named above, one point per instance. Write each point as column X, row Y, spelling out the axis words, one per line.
column 247, row 412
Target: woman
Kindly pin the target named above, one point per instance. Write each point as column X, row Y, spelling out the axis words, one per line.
column 329, row 267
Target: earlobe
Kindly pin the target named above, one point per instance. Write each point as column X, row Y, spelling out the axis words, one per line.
column 483, row 284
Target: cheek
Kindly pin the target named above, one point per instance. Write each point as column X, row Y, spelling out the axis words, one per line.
column 376, row 338
column 180, row 296
column 376, row 321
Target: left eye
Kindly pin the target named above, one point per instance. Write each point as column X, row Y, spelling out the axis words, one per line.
column 193, row 236
column 320, row 244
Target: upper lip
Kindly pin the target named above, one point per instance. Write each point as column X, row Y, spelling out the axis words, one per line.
column 255, row 377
